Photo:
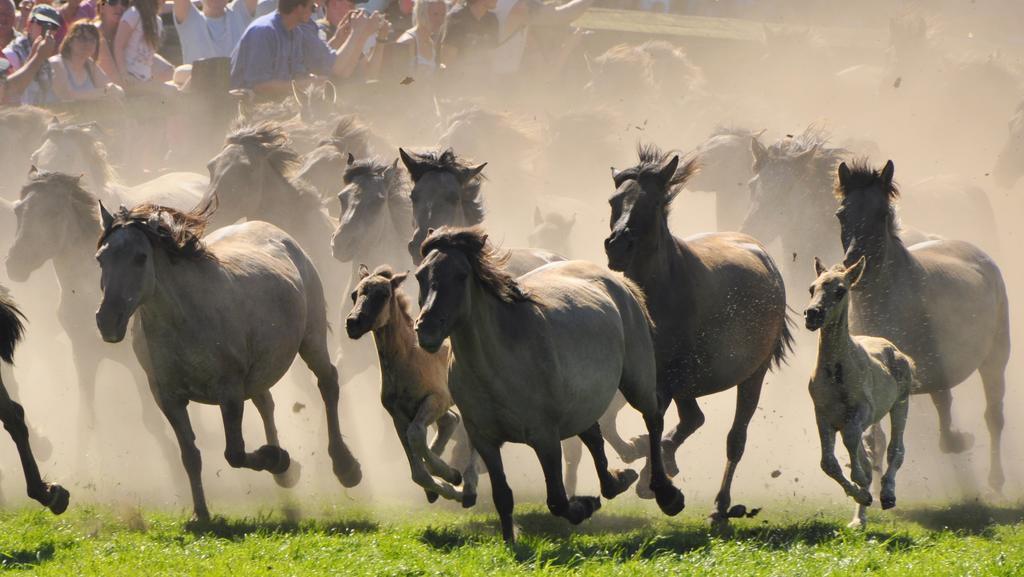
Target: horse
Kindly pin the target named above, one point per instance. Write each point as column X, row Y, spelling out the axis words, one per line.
column 323, row 166
column 59, row 221
column 717, row 299
column 220, row 320
column 792, row 183
column 21, row 130
column 446, row 192
column 942, row 302
column 77, row 149
column 857, row 381
column 50, row 495
column 537, row 359
column 725, row 171
column 414, row 382
column 552, row 231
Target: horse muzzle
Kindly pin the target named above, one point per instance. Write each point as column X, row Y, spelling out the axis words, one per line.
column 619, row 249
column 814, row 319
column 17, row 270
column 355, row 327
column 112, row 325
column 430, row 338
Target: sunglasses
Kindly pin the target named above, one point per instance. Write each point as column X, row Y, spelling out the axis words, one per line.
column 116, row 3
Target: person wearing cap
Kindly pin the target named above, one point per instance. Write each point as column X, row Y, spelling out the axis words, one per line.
column 32, row 79
column 284, row 46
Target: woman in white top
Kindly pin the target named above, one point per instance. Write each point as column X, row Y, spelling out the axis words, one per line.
column 422, row 42
column 75, row 73
column 108, row 18
column 135, row 46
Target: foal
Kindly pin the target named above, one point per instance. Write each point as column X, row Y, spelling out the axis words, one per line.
column 858, row 380
column 414, row 383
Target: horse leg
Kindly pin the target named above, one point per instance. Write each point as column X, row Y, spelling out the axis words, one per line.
column 430, row 410
column 860, row 467
column 994, row 379
column 346, row 467
column 748, row 393
column 575, row 510
column 691, row 418
column 266, row 458
column 500, row 491
column 628, row 451
column 86, row 365
column 895, row 452
column 652, row 405
column 950, row 440
column 12, row 415
column 446, row 426
column 264, row 403
column 417, row 467
column 573, row 450
column 830, row 465
column 176, row 412
column 612, row 482
column 876, row 452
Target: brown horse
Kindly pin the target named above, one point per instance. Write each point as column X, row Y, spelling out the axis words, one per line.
column 718, row 301
column 51, row 495
column 942, row 302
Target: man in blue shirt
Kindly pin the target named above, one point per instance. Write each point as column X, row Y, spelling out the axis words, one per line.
column 284, row 46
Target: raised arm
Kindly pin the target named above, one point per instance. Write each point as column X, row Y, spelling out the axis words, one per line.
column 363, row 27
column 42, row 49
column 182, row 9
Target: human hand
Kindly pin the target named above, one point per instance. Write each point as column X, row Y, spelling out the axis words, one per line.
column 366, row 25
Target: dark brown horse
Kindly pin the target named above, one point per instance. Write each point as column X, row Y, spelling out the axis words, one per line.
column 51, row 495
column 942, row 302
column 718, row 301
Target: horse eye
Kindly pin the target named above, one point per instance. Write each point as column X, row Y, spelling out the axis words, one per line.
column 840, row 292
column 354, row 296
column 810, row 290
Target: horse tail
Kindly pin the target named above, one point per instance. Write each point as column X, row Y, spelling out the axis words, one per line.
column 11, row 327
column 784, row 344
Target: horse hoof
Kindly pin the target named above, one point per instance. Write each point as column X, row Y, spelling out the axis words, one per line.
column 956, row 442
column 351, row 476
column 888, row 500
column 670, row 500
column 996, row 482
column 277, row 458
column 59, row 499
column 719, row 522
column 863, row 499
column 585, row 507
column 290, row 477
column 643, row 490
column 455, row 478
column 468, row 500
column 431, row 496
column 668, row 457
column 624, row 479
column 856, row 524
column 638, row 447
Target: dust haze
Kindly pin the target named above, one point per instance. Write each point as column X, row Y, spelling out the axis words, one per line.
column 936, row 102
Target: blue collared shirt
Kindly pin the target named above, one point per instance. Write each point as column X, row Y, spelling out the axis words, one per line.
column 268, row 51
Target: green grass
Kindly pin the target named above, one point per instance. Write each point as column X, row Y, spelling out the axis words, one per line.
column 623, row 539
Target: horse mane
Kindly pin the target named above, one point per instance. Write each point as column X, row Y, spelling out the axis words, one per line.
column 11, row 326
column 652, row 157
column 350, row 135
column 824, row 160
column 385, row 271
column 269, row 139
column 84, row 136
column 470, row 196
column 488, row 262
column 82, row 202
column 179, row 233
column 864, row 179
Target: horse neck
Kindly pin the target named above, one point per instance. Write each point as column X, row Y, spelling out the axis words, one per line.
column 660, row 265
column 175, row 298
column 480, row 338
column 893, row 266
column 397, row 338
column 281, row 201
column 835, row 342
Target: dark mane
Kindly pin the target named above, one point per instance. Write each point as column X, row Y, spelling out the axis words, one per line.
column 823, row 162
column 349, row 136
column 85, row 136
column 179, row 233
column 11, row 326
column 81, row 201
column 270, row 140
column 652, row 157
column 487, row 261
column 864, row 179
column 448, row 161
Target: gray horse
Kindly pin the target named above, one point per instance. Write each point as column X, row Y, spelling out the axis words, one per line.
column 537, row 360
column 718, row 301
column 942, row 302
column 51, row 495
column 725, row 171
column 323, row 167
column 220, row 321
column 59, row 221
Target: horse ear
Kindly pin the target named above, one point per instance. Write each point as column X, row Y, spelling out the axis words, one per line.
column 472, row 172
column 538, row 218
column 412, row 164
column 887, row 172
column 759, row 152
column 351, row 159
column 330, row 92
column 818, row 267
column 844, row 174
column 668, row 170
column 856, row 272
column 33, row 171
column 615, row 173
column 364, row 271
column 398, row 279
column 105, row 217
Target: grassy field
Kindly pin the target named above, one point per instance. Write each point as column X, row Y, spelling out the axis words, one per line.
column 626, row 539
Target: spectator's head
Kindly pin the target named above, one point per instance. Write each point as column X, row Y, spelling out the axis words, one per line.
column 149, row 10
column 7, row 18
column 430, row 16
column 301, row 8
column 335, row 10
column 42, row 18
column 110, row 11
column 81, row 42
